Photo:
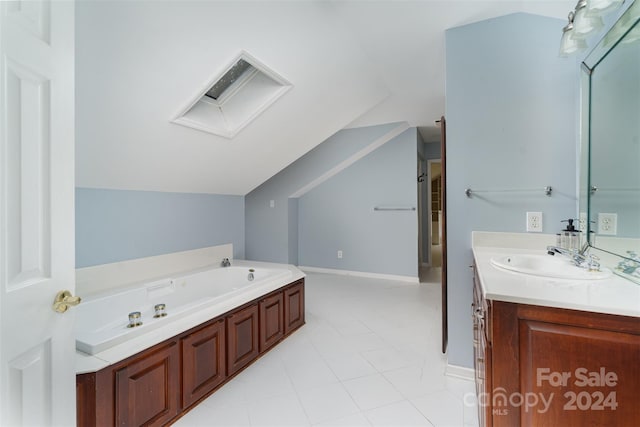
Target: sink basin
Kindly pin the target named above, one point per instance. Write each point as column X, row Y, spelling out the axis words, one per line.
column 557, row 267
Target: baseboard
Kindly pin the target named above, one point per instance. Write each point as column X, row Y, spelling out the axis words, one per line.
column 460, row 372
column 409, row 279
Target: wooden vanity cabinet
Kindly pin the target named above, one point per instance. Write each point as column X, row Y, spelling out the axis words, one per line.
column 293, row 307
column 161, row 383
column 136, row 391
column 481, row 315
column 546, row 366
column 271, row 320
column 242, row 338
column 204, row 360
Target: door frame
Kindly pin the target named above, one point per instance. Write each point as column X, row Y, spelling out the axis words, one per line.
column 443, row 157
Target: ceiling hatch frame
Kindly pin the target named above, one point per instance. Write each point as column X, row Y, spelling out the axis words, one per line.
column 244, row 97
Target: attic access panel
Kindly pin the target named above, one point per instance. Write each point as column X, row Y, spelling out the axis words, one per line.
column 234, row 98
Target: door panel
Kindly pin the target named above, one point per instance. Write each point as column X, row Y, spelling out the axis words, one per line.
column 443, row 227
column 37, row 352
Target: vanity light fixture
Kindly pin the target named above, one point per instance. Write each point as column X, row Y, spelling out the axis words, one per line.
column 602, row 7
column 583, row 21
column 568, row 43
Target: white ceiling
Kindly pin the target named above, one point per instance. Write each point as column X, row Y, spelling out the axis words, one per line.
column 351, row 63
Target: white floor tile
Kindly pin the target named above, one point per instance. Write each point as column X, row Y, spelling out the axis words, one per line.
column 306, row 375
column 283, row 410
column 442, row 409
column 224, row 416
column 350, row 366
column 356, row 420
column 399, row 414
column 372, row 391
column 328, row 402
column 387, row 359
column 416, row 381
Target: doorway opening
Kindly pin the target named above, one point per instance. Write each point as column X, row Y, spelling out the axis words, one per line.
column 434, row 194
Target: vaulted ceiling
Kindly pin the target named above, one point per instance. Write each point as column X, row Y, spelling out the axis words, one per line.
column 351, row 64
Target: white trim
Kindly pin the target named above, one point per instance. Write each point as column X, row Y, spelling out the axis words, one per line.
column 409, row 279
column 225, row 122
column 459, row 372
column 351, row 160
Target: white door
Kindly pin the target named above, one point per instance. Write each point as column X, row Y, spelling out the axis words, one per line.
column 37, row 355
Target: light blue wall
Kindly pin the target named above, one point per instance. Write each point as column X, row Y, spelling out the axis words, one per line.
column 338, row 214
column 511, row 108
column 117, row 225
column 268, row 228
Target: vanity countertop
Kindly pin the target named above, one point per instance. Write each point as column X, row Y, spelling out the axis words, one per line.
column 613, row 295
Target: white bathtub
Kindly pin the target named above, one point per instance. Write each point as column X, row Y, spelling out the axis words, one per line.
column 101, row 320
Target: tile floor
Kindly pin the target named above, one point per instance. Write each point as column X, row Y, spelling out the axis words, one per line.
column 369, row 355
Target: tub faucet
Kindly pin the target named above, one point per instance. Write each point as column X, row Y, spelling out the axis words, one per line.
column 226, row 262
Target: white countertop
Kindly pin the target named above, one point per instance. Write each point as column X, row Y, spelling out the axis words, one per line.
column 91, row 363
column 614, row 295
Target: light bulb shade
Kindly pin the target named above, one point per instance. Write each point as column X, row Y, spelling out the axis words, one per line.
column 569, row 44
column 584, row 24
column 602, row 7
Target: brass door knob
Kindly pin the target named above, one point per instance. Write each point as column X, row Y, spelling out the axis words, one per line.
column 64, row 300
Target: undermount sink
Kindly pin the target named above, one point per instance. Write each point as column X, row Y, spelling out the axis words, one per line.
column 558, row 267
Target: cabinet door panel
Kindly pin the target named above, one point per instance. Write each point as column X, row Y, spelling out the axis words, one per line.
column 146, row 390
column 271, row 320
column 589, row 375
column 243, row 336
column 203, row 362
column 293, row 307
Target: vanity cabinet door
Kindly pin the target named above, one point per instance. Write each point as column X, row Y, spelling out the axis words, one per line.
column 481, row 352
column 271, row 320
column 203, row 361
column 242, row 338
column 557, row 367
column 146, row 389
column 590, row 375
column 293, row 307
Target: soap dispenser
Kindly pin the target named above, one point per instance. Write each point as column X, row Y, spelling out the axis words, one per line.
column 570, row 237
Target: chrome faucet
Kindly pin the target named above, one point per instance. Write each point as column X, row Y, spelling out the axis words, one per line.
column 226, row 262
column 577, row 256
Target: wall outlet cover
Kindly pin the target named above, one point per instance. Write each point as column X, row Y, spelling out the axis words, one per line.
column 534, row 222
column 607, row 224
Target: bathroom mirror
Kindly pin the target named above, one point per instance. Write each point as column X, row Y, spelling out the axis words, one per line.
column 610, row 129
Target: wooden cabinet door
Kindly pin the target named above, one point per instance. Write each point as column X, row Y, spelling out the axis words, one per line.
column 293, row 307
column 203, row 361
column 147, row 389
column 242, row 338
column 271, row 320
column 590, row 376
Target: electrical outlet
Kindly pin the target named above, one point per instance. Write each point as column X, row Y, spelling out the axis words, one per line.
column 339, row 254
column 582, row 222
column 272, row 203
column 534, row 222
column 608, row 224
